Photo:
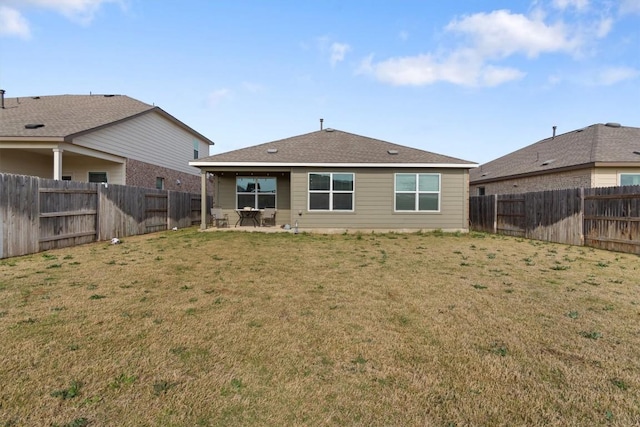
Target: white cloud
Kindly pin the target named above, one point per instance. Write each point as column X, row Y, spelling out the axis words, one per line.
column 338, row 52
column 630, row 7
column 502, row 33
column 564, row 4
column 612, row 75
column 604, row 28
column 462, row 68
column 217, row 96
column 81, row 11
column 12, row 12
column 486, row 38
column 12, row 23
column 494, row 76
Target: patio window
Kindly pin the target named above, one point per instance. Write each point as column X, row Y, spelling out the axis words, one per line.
column 331, row 191
column 258, row 193
column 630, row 179
column 97, row 177
column 417, row 192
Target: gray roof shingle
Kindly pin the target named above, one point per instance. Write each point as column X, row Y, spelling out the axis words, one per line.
column 598, row 143
column 330, row 146
column 66, row 116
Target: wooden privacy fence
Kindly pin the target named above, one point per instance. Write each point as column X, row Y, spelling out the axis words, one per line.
column 38, row 214
column 606, row 218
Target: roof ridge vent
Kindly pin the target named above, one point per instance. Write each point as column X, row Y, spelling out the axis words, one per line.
column 613, row 125
column 272, row 150
column 328, row 130
column 392, row 152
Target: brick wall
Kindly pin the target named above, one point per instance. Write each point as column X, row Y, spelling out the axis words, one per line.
column 143, row 174
column 552, row 181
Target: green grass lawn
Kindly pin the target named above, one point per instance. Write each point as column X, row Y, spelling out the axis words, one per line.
column 222, row 328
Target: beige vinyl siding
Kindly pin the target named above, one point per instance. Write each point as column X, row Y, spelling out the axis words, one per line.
column 79, row 167
column 20, row 162
column 148, row 138
column 374, row 200
column 609, row 177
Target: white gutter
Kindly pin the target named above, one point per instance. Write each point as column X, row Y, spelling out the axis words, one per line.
column 334, row 165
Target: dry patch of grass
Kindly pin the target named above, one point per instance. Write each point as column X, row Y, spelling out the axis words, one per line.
column 189, row 328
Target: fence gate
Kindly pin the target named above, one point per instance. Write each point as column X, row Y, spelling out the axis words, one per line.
column 510, row 215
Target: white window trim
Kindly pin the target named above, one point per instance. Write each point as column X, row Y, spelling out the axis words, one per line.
column 417, row 192
column 275, row 203
column 625, row 173
column 331, row 191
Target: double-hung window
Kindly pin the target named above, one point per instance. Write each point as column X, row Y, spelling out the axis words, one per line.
column 257, row 193
column 630, row 179
column 331, row 191
column 417, row 192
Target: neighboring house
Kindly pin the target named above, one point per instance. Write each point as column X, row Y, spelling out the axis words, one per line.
column 331, row 179
column 600, row 155
column 99, row 138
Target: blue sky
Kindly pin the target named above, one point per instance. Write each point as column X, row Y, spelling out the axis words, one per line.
column 473, row 79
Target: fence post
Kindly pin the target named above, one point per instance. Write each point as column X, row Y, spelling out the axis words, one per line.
column 495, row 214
column 581, row 230
column 98, row 205
column 169, row 211
column 203, row 200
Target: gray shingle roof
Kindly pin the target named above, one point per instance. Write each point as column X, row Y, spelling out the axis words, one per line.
column 65, row 116
column 330, row 146
column 598, row 143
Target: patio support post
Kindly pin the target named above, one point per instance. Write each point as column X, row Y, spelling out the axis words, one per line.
column 203, row 200
column 57, row 163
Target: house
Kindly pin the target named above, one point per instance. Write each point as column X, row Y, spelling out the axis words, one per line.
column 330, row 179
column 600, row 155
column 99, row 138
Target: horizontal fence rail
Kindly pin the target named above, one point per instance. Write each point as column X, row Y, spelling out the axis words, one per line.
column 38, row 214
column 605, row 218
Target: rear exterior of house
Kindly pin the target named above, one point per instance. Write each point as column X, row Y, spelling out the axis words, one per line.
column 99, row 138
column 600, row 155
column 333, row 180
